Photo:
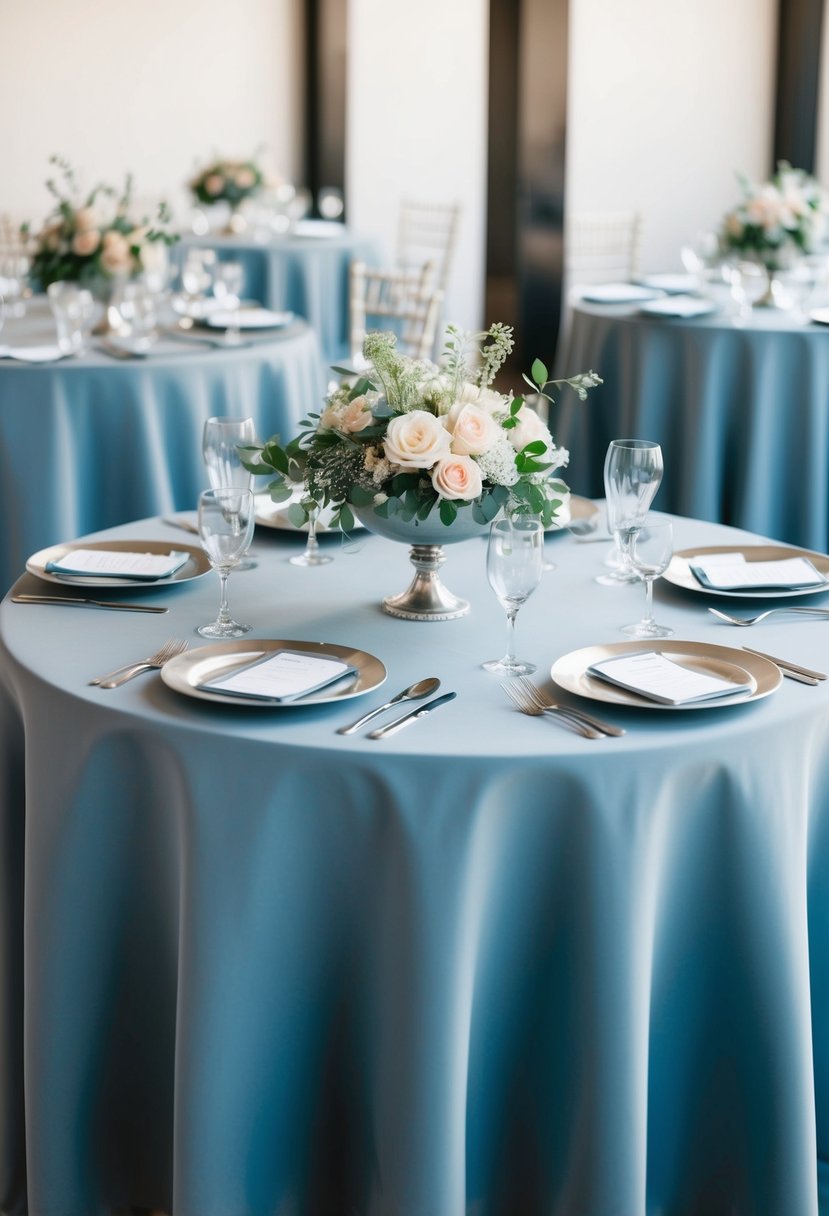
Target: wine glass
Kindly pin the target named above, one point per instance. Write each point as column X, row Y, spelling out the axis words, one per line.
column 196, row 278
column 221, row 438
column 312, row 555
column 650, row 555
column 227, row 288
column 632, row 475
column 513, row 565
column 225, row 529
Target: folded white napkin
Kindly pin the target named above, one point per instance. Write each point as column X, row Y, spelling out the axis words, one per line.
column 110, row 563
column 250, row 318
column 618, row 293
column 660, row 679
column 282, row 676
column 678, row 306
column 32, row 354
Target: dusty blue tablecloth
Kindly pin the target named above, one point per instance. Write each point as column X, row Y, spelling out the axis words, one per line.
column 306, row 274
column 741, row 412
column 91, row 441
column 249, row 966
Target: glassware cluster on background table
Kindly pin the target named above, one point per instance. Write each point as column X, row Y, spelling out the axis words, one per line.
column 91, row 441
column 739, row 410
column 305, row 271
column 251, row 962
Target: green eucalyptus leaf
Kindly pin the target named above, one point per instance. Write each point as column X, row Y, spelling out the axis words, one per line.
column 448, row 512
column 361, row 497
column 297, row 515
column 346, row 519
column 536, row 448
column 539, row 373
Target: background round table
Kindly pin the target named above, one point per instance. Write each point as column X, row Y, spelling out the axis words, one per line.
column 305, row 272
column 741, row 412
column 92, row 441
column 252, row 965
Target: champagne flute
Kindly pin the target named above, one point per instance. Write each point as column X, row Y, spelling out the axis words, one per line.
column 514, row 564
column 227, row 288
column 650, row 555
column 225, row 529
column 632, row 475
column 221, row 438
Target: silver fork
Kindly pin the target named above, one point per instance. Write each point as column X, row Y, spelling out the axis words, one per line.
column 761, row 616
column 112, row 679
column 528, row 706
column 544, row 702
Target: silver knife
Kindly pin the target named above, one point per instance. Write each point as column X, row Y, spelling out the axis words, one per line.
column 784, row 663
column 412, row 716
column 83, row 602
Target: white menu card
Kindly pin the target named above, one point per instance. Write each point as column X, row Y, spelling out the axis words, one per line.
column 110, row 563
column 661, row 679
column 282, row 676
column 788, row 574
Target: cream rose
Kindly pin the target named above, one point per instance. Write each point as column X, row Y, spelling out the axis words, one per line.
column 349, row 418
column 486, row 398
column 244, row 179
column 214, row 184
column 86, row 242
column 457, row 477
column 116, row 256
column 473, row 431
column 530, row 428
column 416, row 440
column 86, row 218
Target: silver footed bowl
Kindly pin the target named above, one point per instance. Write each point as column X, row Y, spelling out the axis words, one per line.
column 422, row 532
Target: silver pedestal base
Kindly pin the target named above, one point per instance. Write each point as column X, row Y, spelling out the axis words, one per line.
column 426, row 598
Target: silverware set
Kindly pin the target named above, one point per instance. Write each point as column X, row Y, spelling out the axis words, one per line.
column 80, row 601
column 761, row 616
column 530, row 700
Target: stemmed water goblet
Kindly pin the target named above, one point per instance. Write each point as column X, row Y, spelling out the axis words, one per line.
column 632, row 475
column 311, row 555
column 227, row 288
column 650, row 554
column 221, row 439
column 225, row 529
column 514, row 563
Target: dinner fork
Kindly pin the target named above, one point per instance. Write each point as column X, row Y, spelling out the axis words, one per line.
column 761, row 616
column 112, row 679
column 527, row 705
column 543, row 701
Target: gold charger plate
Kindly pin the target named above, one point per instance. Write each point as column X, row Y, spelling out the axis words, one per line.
column 680, row 574
column 570, row 671
column 195, row 566
column 188, row 671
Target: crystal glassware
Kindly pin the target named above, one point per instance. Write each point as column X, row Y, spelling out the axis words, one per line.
column 227, row 288
column 226, row 529
column 221, row 439
column 650, row 554
column 312, row 555
column 73, row 309
column 514, row 563
column 632, row 475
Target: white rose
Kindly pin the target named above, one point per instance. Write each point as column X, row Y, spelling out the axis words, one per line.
column 529, row 429
column 486, row 398
column 473, row 430
column 457, row 477
column 154, row 257
column 85, row 243
column 416, row 440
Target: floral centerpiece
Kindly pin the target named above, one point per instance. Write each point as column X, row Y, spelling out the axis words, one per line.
column 92, row 238
column 228, row 181
column 777, row 221
column 418, row 450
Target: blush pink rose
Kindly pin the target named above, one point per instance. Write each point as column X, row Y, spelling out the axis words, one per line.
column 457, row 477
column 214, row 184
column 473, row 431
column 86, row 242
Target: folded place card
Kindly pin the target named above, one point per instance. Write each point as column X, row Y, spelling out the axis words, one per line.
column 786, row 574
column 659, row 678
column 283, row 676
column 111, row 563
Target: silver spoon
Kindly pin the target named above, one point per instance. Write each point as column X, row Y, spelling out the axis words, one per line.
column 415, row 692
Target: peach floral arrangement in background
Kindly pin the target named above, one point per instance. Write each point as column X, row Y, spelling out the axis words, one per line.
column 229, row 181
column 779, row 220
column 92, row 237
column 408, row 437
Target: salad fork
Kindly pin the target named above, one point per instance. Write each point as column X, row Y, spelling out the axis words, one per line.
column 761, row 616
column 112, row 679
column 544, row 702
column 527, row 705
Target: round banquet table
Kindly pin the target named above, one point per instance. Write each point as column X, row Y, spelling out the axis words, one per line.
column 93, row 441
column 741, row 412
column 250, row 965
column 304, row 271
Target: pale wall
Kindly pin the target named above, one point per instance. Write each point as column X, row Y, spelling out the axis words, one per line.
column 152, row 88
column 416, row 115
column 667, row 99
